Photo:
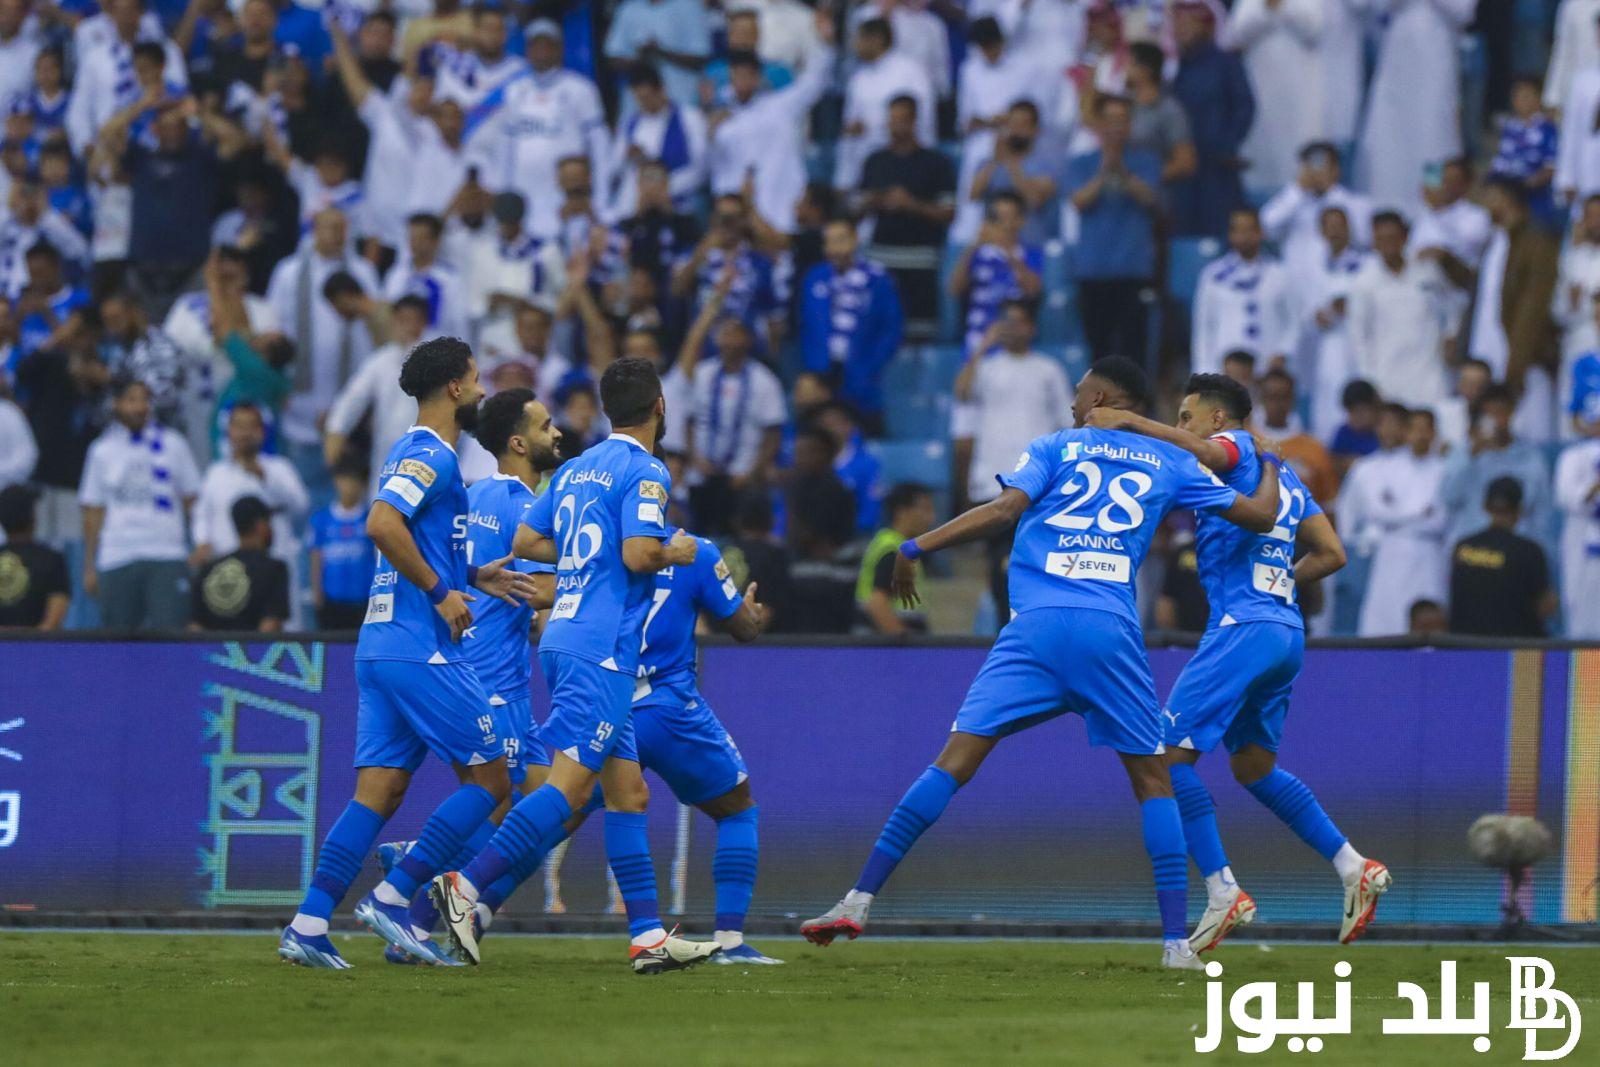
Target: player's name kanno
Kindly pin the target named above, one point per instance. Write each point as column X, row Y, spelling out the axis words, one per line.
column 1109, row 542
column 1536, row 1005
column 1079, row 450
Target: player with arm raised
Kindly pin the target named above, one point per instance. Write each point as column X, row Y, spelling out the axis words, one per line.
column 417, row 692
column 1234, row 690
column 603, row 523
column 681, row 739
column 1086, row 503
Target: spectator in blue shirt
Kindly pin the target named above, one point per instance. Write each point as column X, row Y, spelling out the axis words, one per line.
column 851, row 321
column 341, row 552
column 1115, row 190
column 1527, row 150
column 1215, row 93
column 1022, row 165
column 857, row 468
column 1357, row 436
column 47, row 302
column 998, row 267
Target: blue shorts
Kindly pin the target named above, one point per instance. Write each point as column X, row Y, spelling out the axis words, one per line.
column 680, row 738
column 408, row 709
column 1051, row 661
column 590, row 710
column 1235, row 689
column 524, row 747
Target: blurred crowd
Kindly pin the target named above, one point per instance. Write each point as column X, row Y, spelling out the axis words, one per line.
column 848, row 236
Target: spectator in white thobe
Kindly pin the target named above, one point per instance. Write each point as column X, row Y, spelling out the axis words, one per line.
column 1413, row 115
column 661, row 131
column 919, row 35
column 1392, row 510
column 247, row 471
column 1293, row 217
column 1450, row 220
column 881, row 75
column 1577, row 494
column 1278, row 39
column 1324, row 289
column 374, row 390
column 1242, row 303
column 993, row 77
column 1396, row 319
column 1576, row 48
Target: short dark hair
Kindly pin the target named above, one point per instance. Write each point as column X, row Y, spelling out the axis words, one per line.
column 1240, row 355
column 1399, row 411
column 877, row 27
column 247, row 405
column 1511, row 187
column 1101, row 102
column 151, row 50
column 17, row 509
column 1278, row 374
column 1498, row 392
column 380, row 16
column 341, row 283
column 985, row 32
column 1246, row 210
column 1026, row 105
column 629, row 389
column 1005, row 196
column 907, row 100
column 1319, row 148
column 247, row 512
column 1221, row 390
column 501, row 418
column 1126, row 375
column 904, row 495
column 646, row 75
column 1024, row 306
column 1503, row 494
column 234, row 254
column 424, row 218
column 1390, row 217
column 349, row 466
column 412, row 302
column 434, row 364
column 43, row 248
column 743, row 57
column 1149, row 56
column 124, row 382
column 1358, row 392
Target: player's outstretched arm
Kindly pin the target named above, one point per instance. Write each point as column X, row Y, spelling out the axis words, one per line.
column 1324, row 552
column 975, row 524
column 750, row 621
column 389, row 532
column 531, row 544
column 1207, row 451
column 502, row 581
column 646, row 555
column 1258, row 512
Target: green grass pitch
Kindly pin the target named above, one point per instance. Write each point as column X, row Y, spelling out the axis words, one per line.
column 93, row 999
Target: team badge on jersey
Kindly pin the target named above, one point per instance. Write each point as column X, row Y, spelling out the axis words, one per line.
column 415, row 468
column 722, row 570
column 654, row 490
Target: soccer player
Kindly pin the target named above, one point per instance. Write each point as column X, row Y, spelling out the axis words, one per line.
column 680, row 738
column 417, row 691
column 1235, row 689
column 1086, row 504
column 603, row 523
column 517, row 430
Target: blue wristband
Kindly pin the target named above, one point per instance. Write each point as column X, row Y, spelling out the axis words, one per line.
column 438, row 592
column 909, row 549
column 472, row 575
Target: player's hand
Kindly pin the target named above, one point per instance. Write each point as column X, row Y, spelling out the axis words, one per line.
column 1106, row 419
column 1269, row 446
column 500, row 579
column 758, row 610
column 454, row 611
column 682, row 549
column 903, row 586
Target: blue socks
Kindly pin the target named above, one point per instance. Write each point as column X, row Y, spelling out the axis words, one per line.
column 733, row 868
column 1288, row 798
column 1163, row 839
column 499, row 891
column 343, row 851
column 919, row 809
column 451, row 823
column 628, row 851
column 424, row 916
column 537, row 817
column 1199, row 819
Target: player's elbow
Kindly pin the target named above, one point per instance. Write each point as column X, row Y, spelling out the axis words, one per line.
column 1335, row 556
column 642, row 555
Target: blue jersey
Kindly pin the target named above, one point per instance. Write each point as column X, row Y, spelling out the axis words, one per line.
column 421, row 479
column 497, row 641
column 1098, row 496
column 614, row 491
column 347, row 553
column 1585, row 400
column 1249, row 577
column 667, row 652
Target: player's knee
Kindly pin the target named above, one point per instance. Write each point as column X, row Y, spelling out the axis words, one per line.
column 730, row 803
column 631, row 795
column 962, row 756
column 381, row 789
column 1250, row 765
column 492, row 778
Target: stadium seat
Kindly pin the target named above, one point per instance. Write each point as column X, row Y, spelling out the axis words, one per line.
column 1188, row 258
column 949, row 307
column 1060, row 295
column 915, row 409
column 926, row 462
